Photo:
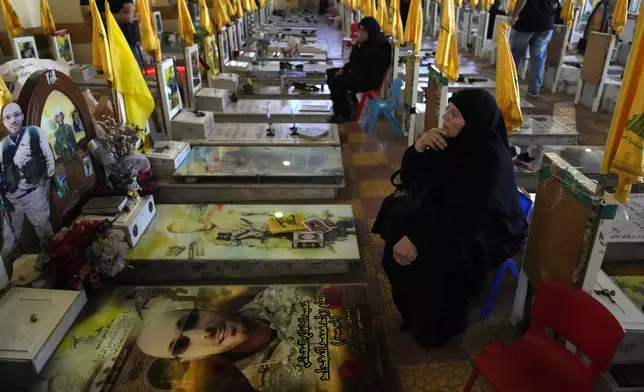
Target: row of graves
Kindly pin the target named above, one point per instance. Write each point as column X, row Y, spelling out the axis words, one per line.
column 177, row 292
column 583, row 225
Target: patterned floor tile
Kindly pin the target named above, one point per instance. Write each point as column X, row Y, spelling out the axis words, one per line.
column 439, row 377
column 375, row 188
column 373, row 172
column 369, row 158
column 356, row 207
column 374, row 239
column 371, row 206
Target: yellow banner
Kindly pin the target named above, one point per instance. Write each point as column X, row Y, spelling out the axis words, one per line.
column 446, row 59
column 507, row 83
column 46, row 20
column 625, row 144
column 11, row 21
column 128, row 79
column 186, row 28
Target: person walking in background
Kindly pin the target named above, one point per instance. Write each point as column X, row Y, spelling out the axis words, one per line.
column 532, row 24
column 123, row 11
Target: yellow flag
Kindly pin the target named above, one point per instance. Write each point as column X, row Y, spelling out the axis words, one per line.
column 101, row 59
column 5, row 94
column 46, row 20
column 394, row 23
column 239, row 9
column 511, row 4
column 204, row 17
column 186, row 28
column 619, row 17
column 149, row 37
column 474, row 4
column 507, row 82
column 485, row 5
column 414, row 27
column 128, row 79
column 230, row 9
column 446, row 58
column 221, row 13
column 11, row 20
column 625, row 144
column 459, row 3
column 568, row 12
column 381, row 14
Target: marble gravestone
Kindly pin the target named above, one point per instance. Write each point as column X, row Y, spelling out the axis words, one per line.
column 256, row 134
column 281, row 111
column 123, row 341
column 205, row 241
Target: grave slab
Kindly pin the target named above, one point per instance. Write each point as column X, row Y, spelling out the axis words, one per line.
column 255, row 134
column 122, row 340
column 191, row 242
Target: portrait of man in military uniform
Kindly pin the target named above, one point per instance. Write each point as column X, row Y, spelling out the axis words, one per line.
column 27, row 169
column 65, row 144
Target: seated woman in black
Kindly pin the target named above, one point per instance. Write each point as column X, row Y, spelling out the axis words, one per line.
column 369, row 60
column 455, row 216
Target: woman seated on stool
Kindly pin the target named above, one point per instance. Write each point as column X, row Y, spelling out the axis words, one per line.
column 455, row 216
column 369, row 60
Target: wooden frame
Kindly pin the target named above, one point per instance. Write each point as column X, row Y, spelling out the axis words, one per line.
column 158, row 21
column 166, row 71
column 573, row 216
column 57, row 42
column 28, row 45
column 33, row 99
column 193, row 73
column 599, row 50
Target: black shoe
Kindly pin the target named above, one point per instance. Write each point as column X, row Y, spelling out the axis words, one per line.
column 339, row 119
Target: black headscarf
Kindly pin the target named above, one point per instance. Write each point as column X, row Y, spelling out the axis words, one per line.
column 372, row 26
column 474, row 174
column 482, row 116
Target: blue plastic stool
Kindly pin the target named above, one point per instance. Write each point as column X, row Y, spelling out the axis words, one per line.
column 386, row 107
column 526, row 207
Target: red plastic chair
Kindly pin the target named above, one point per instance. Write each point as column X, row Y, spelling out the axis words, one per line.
column 353, row 34
column 373, row 94
column 539, row 363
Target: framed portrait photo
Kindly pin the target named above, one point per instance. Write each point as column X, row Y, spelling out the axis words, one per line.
column 25, row 48
column 224, row 51
column 169, row 84
column 193, row 71
column 232, row 39
column 212, row 57
column 158, row 21
column 61, row 45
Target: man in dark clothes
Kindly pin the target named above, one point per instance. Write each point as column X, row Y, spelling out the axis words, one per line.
column 123, row 11
column 369, row 60
column 495, row 10
column 532, row 23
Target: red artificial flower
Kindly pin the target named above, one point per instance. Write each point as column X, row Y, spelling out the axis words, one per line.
column 353, row 368
column 333, row 295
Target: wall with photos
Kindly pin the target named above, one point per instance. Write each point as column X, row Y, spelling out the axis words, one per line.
column 67, row 15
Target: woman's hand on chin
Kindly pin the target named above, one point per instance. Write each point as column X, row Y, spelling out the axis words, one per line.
column 405, row 252
column 434, row 139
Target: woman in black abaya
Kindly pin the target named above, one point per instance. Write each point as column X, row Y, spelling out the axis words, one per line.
column 455, row 216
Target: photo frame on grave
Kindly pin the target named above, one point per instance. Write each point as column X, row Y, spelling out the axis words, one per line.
column 224, row 51
column 212, row 57
column 52, row 101
column 169, row 87
column 241, row 37
column 24, row 47
column 193, row 72
column 232, row 39
column 158, row 21
column 61, row 46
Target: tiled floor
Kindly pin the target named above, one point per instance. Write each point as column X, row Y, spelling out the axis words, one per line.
column 368, row 164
